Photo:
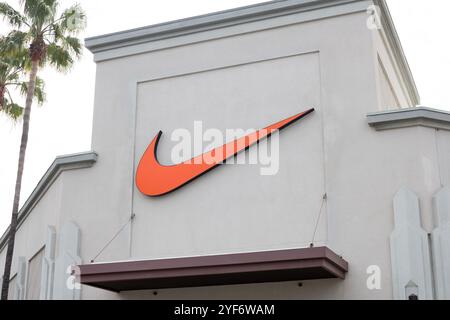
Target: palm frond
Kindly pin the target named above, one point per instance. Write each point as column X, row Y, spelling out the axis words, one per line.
column 12, row 110
column 14, row 49
column 73, row 45
column 40, row 12
column 13, row 41
column 39, row 8
column 11, row 76
column 72, row 20
column 11, row 68
column 39, row 92
column 59, row 57
column 5, row 71
column 12, row 16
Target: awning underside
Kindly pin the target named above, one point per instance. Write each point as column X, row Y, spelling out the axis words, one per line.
column 244, row 268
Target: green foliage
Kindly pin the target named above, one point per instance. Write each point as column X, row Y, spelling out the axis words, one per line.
column 12, row 77
column 12, row 110
column 59, row 57
column 13, row 17
column 39, row 92
column 42, row 32
column 40, row 23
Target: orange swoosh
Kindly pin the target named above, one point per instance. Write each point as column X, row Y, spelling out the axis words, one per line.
column 154, row 179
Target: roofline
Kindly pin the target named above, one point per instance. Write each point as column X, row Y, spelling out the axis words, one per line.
column 397, row 48
column 206, row 22
column 62, row 163
column 181, row 32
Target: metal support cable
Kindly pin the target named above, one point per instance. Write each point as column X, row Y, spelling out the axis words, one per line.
column 114, row 237
column 319, row 215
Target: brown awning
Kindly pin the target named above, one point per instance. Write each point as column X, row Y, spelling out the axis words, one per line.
column 258, row 267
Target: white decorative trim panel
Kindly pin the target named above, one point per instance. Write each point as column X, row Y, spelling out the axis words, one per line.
column 410, row 254
column 65, row 287
column 441, row 243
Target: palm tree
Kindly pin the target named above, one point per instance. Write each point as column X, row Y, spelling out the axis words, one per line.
column 51, row 40
column 8, row 76
column 12, row 69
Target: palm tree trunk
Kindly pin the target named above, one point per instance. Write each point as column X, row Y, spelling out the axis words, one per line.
column 2, row 96
column 15, row 210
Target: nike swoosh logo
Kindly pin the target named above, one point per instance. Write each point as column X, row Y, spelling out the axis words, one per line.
column 154, row 179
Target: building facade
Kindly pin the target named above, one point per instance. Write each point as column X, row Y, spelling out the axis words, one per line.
column 359, row 207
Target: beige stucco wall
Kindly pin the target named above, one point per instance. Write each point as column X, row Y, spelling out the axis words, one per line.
column 338, row 55
column 250, row 80
column 30, row 237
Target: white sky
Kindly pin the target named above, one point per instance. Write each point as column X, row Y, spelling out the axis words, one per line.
column 63, row 124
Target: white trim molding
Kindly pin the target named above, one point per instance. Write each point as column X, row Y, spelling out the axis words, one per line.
column 65, row 285
column 410, row 254
column 213, row 21
column 48, row 265
column 244, row 20
column 21, row 279
column 440, row 238
column 390, row 34
column 410, row 117
column 61, row 164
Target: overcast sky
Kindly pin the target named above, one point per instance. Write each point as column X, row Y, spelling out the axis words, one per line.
column 63, row 124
